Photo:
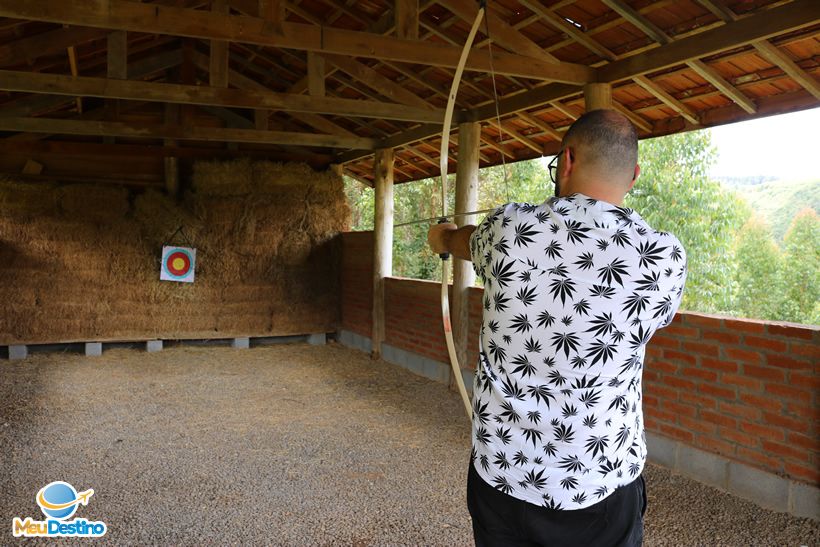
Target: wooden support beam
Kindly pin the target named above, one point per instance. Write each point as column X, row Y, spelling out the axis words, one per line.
column 506, row 130
column 25, row 50
column 568, row 28
column 636, row 18
column 636, row 119
column 563, row 109
column 316, row 75
column 542, row 125
column 154, row 19
column 466, row 200
column 774, row 55
column 190, row 94
column 72, row 62
column 711, row 75
column 382, row 242
column 273, row 12
column 785, row 18
column 667, row 99
column 407, row 19
column 218, row 73
column 597, row 96
column 171, row 165
column 117, row 55
column 213, row 134
column 502, row 33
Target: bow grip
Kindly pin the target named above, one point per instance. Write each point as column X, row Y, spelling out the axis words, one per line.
column 443, row 256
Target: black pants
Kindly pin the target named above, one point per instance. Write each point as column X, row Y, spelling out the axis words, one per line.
column 502, row 520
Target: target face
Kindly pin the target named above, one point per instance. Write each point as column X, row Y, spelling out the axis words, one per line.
column 178, row 264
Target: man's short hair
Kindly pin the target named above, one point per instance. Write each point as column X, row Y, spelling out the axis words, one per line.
column 608, row 137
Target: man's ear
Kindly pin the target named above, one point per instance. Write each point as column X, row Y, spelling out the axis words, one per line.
column 635, row 176
column 566, row 163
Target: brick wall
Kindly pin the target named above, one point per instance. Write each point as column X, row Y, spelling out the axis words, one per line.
column 746, row 390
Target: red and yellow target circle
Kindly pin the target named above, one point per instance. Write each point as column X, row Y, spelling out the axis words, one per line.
column 178, row 264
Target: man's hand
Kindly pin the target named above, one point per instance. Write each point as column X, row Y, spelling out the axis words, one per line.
column 438, row 237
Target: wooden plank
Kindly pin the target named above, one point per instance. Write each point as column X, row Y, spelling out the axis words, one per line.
column 117, row 55
column 407, row 19
column 711, row 75
column 786, row 18
column 500, row 32
column 372, row 79
column 774, row 55
column 637, row 19
column 636, row 119
column 120, row 129
column 218, row 72
column 25, row 50
column 72, row 63
column 316, row 75
column 202, row 95
column 154, row 19
column 575, row 33
column 667, row 99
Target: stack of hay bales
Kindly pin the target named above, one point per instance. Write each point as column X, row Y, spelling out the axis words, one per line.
column 81, row 261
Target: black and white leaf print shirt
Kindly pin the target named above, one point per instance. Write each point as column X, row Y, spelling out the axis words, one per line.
column 573, row 290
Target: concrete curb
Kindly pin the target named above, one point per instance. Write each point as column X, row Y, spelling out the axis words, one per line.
column 765, row 489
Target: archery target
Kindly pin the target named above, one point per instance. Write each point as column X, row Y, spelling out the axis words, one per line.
column 178, row 264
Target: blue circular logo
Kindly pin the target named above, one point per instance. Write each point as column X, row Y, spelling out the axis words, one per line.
column 58, row 500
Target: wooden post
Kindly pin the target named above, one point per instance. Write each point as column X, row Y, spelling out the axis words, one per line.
column 407, row 19
column 382, row 241
column 219, row 51
column 466, row 200
column 316, row 74
column 597, row 96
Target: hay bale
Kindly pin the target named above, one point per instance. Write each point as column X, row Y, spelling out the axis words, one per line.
column 159, row 217
column 27, row 199
column 223, row 178
column 94, row 202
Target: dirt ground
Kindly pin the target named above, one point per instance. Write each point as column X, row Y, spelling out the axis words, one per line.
column 281, row 445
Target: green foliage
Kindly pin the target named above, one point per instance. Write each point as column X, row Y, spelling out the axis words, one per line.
column 735, row 264
column 674, row 194
column 779, row 201
column 760, row 291
column 801, row 269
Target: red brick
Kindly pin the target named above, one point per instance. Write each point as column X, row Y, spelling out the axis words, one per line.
column 716, row 445
column 806, row 473
column 701, row 374
column 680, row 409
column 653, row 353
column 676, row 433
column 697, row 426
column 709, row 350
column 759, row 459
column 722, row 337
column 761, row 401
column 741, row 325
column 681, row 331
column 809, row 442
column 740, row 410
column 741, row 381
column 792, row 331
column 662, row 392
column 788, row 362
column 664, row 342
column 662, row 415
column 738, row 437
column 706, row 321
column 698, row 400
column 679, row 383
column 796, row 453
column 805, row 350
column 765, row 343
column 717, row 391
column 785, row 422
column 744, row 355
column 680, row 356
column 650, row 401
column 649, row 376
column 719, row 419
column 664, row 366
column 789, row 392
column 763, row 431
column 717, row 364
column 801, row 411
column 766, row 373
column 806, row 380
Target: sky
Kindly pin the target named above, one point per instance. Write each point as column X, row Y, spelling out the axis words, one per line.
column 785, row 146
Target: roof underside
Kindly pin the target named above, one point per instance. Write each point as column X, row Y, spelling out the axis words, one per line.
column 106, row 90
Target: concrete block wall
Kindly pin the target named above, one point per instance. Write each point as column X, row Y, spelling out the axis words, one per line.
column 741, row 393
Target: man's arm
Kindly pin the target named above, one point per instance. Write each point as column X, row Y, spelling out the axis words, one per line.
column 449, row 238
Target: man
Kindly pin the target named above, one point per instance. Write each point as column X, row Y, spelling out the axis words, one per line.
column 574, row 288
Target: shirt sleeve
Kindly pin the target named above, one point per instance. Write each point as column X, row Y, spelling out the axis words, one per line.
column 481, row 242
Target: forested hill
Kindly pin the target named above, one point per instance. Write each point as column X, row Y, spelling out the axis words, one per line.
column 776, row 201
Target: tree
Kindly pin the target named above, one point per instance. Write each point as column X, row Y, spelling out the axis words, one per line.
column 674, row 194
column 760, row 288
column 801, row 269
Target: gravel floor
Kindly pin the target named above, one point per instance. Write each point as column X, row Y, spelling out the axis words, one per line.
column 281, row 445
